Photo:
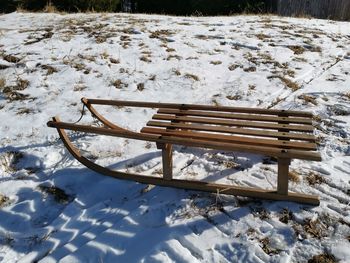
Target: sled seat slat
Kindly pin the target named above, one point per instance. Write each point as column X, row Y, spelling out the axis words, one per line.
column 231, row 130
column 239, row 116
column 230, row 123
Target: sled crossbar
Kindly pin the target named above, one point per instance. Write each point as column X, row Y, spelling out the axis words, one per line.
column 282, row 134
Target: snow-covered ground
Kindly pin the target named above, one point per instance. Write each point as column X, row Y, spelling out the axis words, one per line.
column 54, row 209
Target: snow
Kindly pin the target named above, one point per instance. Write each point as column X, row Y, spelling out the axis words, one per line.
column 237, row 61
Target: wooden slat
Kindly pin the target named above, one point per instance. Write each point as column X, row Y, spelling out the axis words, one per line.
column 284, row 153
column 241, row 116
column 200, row 107
column 232, row 139
column 284, row 127
column 250, row 132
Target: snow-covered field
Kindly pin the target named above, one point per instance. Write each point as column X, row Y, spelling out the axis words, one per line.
column 54, row 209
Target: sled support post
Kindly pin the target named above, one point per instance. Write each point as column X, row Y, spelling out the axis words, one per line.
column 167, row 159
column 282, row 179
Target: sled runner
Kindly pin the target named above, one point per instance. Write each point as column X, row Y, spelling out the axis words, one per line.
column 282, row 134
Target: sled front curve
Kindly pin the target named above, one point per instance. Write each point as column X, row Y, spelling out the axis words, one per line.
column 165, row 138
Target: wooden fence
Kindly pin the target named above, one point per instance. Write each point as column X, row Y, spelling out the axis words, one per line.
column 331, row 9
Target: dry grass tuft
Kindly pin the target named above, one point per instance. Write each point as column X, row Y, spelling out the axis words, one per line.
column 141, row 86
column 233, row 67
column 11, row 58
column 58, row 194
column 262, row 36
column 265, row 245
column 234, row 97
column 322, row 258
column 22, row 111
column 308, row 99
column 152, row 77
column 286, row 216
column 192, row 76
column 114, row 61
column 250, row 69
column 145, row 58
column 344, row 95
column 119, row 84
column 9, row 160
column 313, row 178
column 50, row 69
column 174, row 56
column 3, row 200
column 289, row 83
column 177, row 72
column 50, row 8
column 2, row 83
column 297, row 49
column 294, row 176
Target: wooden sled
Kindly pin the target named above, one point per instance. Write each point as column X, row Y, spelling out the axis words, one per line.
column 282, row 134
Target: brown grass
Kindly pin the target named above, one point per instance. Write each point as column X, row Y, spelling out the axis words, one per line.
column 114, row 61
column 308, row 99
column 192, row 76
column 141, row 86
column 145, row 59
column 234, row 97
column 173, row 56
column 177, row 72
column 294, row 176
column 58, row 194
column 233, row 67
column 50, row 8
column 344, row 95
column 152, row 77
column 250, row 69
column 314, row 178
column 289, row 83
column 297, row 49
column 50, row 69
column 286, row 215
column 9, row 160
column 3, row 200
column 265, row 245
column 2, row 83
column 323, row 258
column 119, row 84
